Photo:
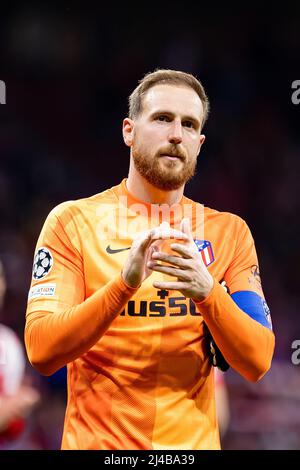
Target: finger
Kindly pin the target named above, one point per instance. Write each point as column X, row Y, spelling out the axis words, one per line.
column 152, row 249
column 164, row 225
column 185, row 227
column 159, row 233
column 152, row 237
column 150, row 252
column 183, row 250
column 155, row 247
column 147, row 237
column 165, row 228
column 175, row 260
column 168, row 270
column 143, row 240
column 168, row 285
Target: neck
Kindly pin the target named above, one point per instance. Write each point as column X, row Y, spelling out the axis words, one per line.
column 146, row 192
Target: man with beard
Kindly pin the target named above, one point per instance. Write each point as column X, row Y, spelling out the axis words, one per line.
column 130, row 285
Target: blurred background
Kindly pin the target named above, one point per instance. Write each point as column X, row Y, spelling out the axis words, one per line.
column 68, row 72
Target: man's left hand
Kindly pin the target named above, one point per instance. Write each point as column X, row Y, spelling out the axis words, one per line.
column 193, row 278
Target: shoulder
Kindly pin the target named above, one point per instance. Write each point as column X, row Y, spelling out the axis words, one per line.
column 230, row 226
column 225, row 218
column 73, row 208
column 219, row 218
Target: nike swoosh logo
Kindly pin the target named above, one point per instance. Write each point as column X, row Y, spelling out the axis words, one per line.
column 111, row 251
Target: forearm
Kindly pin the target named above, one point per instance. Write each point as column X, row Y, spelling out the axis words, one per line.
column 245, row 344
column 54, row 339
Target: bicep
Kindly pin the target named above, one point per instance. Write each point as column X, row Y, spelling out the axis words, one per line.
column 243, row 279
column 57, row 277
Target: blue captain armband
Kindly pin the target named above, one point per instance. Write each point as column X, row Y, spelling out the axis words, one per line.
column 254, row 305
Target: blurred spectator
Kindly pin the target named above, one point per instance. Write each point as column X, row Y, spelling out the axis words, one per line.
column 17, row 399
column 265, row 415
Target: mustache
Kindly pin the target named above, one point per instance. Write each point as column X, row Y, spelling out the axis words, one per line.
column 173, row 151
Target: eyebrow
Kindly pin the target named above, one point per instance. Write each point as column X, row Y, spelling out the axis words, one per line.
column 170, row 113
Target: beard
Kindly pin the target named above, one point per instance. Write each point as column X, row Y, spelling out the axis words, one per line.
column 165, row 177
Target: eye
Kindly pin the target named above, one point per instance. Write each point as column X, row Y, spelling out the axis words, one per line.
column 188, row 124
column 163, row 118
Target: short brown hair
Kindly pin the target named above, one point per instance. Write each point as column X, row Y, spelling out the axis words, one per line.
column 165, row 76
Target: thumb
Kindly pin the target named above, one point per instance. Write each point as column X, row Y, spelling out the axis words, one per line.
column 185, row 227
column 164, row 225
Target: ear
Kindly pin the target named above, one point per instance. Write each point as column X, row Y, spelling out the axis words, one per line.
column 201, row 142
column 128, row 125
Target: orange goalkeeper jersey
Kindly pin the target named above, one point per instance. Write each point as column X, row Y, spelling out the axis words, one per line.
column 139, row 372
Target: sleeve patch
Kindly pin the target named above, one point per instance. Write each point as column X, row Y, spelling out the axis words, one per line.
column 43, row 262
column 43, row 290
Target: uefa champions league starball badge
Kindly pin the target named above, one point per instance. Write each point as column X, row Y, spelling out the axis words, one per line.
column 43, row 262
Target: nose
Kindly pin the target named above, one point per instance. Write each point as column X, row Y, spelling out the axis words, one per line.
column 175, row 134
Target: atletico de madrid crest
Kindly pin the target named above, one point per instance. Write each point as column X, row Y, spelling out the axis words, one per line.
column 205, row 248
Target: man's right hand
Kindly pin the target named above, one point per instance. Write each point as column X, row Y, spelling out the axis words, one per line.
column 135, row 270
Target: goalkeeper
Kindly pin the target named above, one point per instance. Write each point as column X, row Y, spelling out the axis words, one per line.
column 128, row 290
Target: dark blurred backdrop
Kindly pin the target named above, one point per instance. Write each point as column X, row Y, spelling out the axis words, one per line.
column 68, row 72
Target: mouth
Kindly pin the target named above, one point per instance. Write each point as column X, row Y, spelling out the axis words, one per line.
column 171, row 157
